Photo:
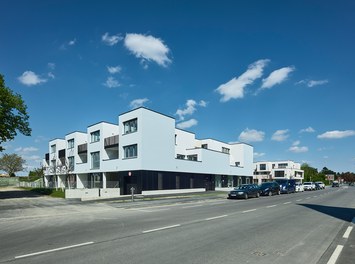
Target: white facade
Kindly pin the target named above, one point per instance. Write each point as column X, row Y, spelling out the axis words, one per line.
column 272, row 170
column 145, row 151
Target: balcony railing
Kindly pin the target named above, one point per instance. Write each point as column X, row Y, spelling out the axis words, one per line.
column 111, row 142
column 83, row 148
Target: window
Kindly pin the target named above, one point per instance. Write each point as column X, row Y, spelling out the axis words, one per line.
column 71, row 163
column 279, row 174
column 180, row 156
column 95, row 136
column 225, row 150
column 95, row 160
column 237, row 164
column 130, row 126
column 283, row 165
column 192, row 157
column 53, row 149
column 204, row 146
column 262, row 166
column 71, row 143
column 130, row 151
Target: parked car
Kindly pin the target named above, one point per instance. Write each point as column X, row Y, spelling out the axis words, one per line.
column 299, row 187
column 321, row 184
column 335, row 184
column 245, row 191
column 309, row 186
column 270, row 188
column 317, row 186
column 287, row 185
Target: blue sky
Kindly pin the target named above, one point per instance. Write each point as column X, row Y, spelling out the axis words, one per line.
column 279, row 75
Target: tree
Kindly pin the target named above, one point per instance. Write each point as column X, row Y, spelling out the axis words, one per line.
column 12, row 163
column 310, row 173
column 13, row 114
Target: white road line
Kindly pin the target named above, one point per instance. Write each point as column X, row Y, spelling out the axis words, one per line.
column 53, row 250
column 298, row 200
column 315, row 196
column 215, row 217
column 191, row 206
column 269, row 206
column 247, row 211
column 287, row 203
column 347, row 232
column 308, row 198
column 335, row 255
column 159, row 229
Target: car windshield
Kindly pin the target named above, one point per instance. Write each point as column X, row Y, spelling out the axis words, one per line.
column 266, row 184
column 307, row 183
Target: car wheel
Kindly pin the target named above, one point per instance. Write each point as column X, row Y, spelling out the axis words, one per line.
column 257, row 195
column 270, row 193
column 246, row 196
column 278, row 192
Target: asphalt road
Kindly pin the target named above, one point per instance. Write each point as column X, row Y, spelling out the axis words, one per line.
column 296, row 228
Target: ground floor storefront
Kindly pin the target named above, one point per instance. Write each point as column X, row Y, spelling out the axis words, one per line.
column 145, row 182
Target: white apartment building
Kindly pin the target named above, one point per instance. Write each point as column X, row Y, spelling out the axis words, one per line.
column 273, row 170
column 147, row 152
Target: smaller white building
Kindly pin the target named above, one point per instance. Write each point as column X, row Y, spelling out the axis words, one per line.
column 273, row 170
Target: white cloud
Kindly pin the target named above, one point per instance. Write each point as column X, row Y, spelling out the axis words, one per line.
column 234, row 89
column 280, row 135
column 26, row 150
column 336, row 134
column 311, row 83
column 190, row 108
column 258, row 155
column 72, row 42
column 114, row 69
column 307, row 130
column 251, row 135
column 295, row 148
column 111, row 40
column 147, row 48
column 51, row 65
column 111, row 82
column 29, row 78
column 277, row 77
column 187, row 124
column 138, row 102
column 51, row 75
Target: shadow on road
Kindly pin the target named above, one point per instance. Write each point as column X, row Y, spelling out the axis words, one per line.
column 11, row 194
column 343, row 213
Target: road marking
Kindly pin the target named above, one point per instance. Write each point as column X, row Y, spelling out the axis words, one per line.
column 315, row 196
column 335, row 255
column 53, row 250
column 308, row 198
column 269, row 206
column 347, row 232
column 287, row 203
column 216, row 217
column 159, row 229
column 298, row 200
column 247, row 211
column 191, row 206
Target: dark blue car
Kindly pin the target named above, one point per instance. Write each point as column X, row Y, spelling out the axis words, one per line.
column 245, row 191
column 287, row 185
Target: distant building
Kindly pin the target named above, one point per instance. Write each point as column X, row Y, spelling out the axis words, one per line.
column 272, row 170
column 144, row 151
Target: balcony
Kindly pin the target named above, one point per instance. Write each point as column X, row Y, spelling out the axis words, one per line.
column 83, row 148
column 111, row 142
